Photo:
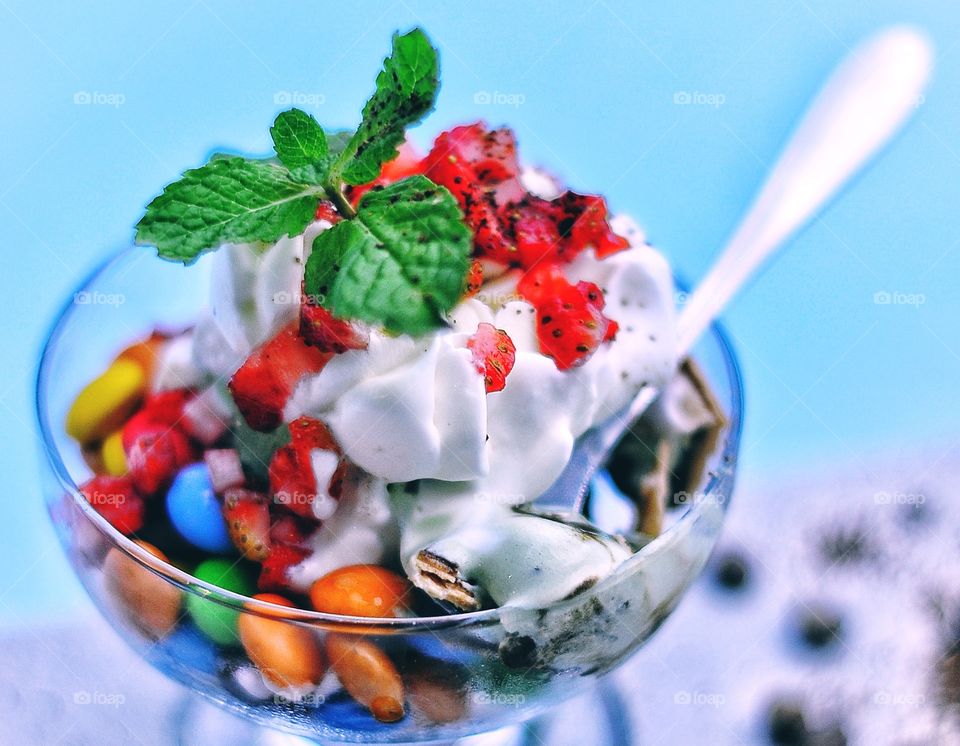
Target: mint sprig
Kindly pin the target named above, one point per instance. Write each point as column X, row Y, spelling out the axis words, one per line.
column 298, row 139
column 406, row 91
column 228, row 200
column 398, row 261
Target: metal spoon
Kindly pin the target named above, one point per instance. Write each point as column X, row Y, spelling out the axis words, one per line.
column 861, row 107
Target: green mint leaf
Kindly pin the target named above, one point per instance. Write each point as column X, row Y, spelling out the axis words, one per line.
column 228, row 200
column 406, row 90
column 298, row 139
column 399, row 263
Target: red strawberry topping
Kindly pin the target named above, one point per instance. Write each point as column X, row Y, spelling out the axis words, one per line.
column 116, row 500
column 320, row 329
column 165, row 408
column 273, row 573
column 293, row 483
column 326, row 211
column 570, row 321
column 493, row 355
column 247, row 516
column 154, row 455
column 511, row 226
column 474, row 278
column 266, row 379
column 289, row 529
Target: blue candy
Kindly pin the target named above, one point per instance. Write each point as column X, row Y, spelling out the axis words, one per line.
column 195, row 511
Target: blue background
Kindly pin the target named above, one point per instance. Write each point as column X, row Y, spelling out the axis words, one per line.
column 830, row 374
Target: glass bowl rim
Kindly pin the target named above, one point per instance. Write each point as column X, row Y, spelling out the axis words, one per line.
column 382, row 625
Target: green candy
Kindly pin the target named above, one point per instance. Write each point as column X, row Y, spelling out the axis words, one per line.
column 216, row 621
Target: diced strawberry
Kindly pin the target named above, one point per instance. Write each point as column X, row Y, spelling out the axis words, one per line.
column 247, row 515
column 533, row 224
column 308, row 432
column 493, row 355
column 586, row 216
column 570, row 321
column 480, row 169
column 511, row 226
column 474, row 278
column 320, row 329
column 273, row 574
column 266, row 379
column 292, row 482
column 290, row 529
column 116, row 500
column 156, row 453
column 225, row 467
column 326, row 211
column 164, row 408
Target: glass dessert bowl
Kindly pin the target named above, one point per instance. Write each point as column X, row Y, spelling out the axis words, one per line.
column 452, row 674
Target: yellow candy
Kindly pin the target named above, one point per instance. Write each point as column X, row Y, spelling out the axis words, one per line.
column 114, row 459
column 106, row 402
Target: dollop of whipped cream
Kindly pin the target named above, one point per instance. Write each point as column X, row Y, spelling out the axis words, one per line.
column 409, row 409
column 406, row 409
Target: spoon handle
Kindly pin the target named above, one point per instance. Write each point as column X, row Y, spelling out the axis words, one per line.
column 859, row 109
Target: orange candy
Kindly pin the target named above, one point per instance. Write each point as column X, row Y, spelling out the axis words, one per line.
column 360, row 590
column 145, row 353
column 368, row 675
column 151, row 602
column 287, row 654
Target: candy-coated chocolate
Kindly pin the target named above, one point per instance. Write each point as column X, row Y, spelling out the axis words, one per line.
column 360, row 590
column 195, row 512
column 216, row 621
column 103, row 405
column 152, row 603
column 287, row 654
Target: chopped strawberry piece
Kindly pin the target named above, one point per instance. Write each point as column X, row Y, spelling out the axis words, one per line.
column 225, row 467
column 293, row 482
column 155, row 454
column 585, row 222
column 247, row 515
column 493, row 355
column 266, row 379
column 165, row 408
column 511, row 226
column 319, row 328
column 291, row 530
column 116, row 500
column 480, row 169
column 308, row 432
column 474, row 278
column 326, row 211
column 533, row 224
column 273, row 574
column 570, row 321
